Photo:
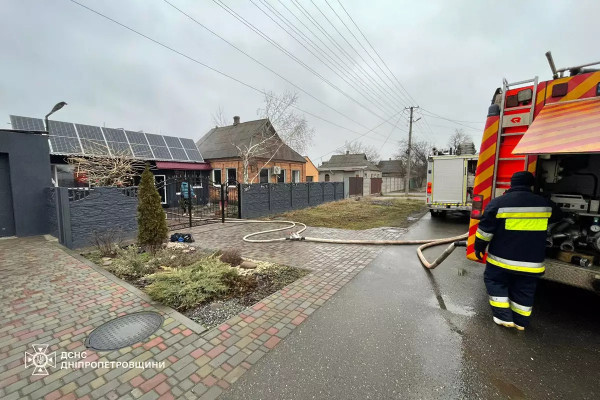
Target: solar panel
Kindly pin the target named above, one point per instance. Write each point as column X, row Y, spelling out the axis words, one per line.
column 141, row 151
column 188, row 144
column 178, row 154
column 114, row 135
column 26, row 123
column 89, row 132
column 120, row 149
column 136, row 137
column 155, row 140
column 194, row 155
column 65, row 145
column 173, row 141
column 94, row 147
column 59, row 128
column 161, row 152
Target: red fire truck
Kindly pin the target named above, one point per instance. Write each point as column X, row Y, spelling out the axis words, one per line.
column 551, row 129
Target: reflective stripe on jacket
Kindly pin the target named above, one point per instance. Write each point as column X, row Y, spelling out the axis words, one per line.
column 514, row 225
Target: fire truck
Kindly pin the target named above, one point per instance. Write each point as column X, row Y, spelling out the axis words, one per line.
column 450, row 180
column 552, row 129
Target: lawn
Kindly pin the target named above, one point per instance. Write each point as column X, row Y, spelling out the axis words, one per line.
column 365, row 213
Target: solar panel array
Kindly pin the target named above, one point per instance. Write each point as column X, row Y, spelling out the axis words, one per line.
column 69, row 138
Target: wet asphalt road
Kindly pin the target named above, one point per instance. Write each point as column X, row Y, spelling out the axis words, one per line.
column 398, row 332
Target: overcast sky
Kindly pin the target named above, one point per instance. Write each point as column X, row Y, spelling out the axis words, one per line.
column 448, row 55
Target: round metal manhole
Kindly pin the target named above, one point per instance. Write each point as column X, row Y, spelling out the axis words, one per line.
column 124, row 331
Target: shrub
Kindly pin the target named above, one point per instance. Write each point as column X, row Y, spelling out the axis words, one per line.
column 131, row 264
column 107, row 241
column 184, row 288
column 231, row 257
column 152, row 223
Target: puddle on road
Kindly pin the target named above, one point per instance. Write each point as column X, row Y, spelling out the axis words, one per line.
column 437, row 302
column 507, row 388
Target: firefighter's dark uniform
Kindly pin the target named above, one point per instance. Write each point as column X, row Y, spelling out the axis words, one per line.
column 514, row 226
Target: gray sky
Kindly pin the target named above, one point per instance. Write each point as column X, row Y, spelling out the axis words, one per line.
column 448, row 55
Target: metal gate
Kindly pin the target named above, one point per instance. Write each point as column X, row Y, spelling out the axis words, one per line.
column 355, row 186
column 191, row 201
column 376, row 185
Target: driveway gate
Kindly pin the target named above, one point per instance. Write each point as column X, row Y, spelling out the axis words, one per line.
column 192, row 201
column 376, row 185
column 355, row 186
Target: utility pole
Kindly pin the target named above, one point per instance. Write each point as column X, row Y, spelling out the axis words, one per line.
column 407, row 173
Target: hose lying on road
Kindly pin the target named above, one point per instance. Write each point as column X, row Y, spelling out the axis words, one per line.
column 454, row 241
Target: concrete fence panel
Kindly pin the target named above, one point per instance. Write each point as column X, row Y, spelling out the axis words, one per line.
column 261, row 199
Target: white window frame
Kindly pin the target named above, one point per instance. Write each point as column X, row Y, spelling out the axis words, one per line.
column 284, row 172
column 212, row 176
column 268, row 175
column 227, row 173
column 297, row 171
column 164, row 188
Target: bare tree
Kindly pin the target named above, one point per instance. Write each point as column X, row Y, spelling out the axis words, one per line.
column 420, row 151
column 459, row 137
column 282, row 126
column 218, row 117
column 104, row 170
column 291, row 126
column 358, row 148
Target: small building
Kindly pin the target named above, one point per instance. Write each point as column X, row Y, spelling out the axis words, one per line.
column 272, row 162
column 168, row 156
column 391, row 168
column 312, row 173
column 341, row 166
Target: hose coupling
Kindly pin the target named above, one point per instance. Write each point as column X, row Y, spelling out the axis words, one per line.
column 295, row 236
column 460, row 243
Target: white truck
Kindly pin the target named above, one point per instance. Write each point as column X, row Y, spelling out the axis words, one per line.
column 450, row 181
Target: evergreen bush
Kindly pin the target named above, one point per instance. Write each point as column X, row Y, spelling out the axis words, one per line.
column 152, row 223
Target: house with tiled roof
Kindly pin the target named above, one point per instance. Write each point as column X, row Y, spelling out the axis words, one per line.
column 341, row 166
column 274, row 162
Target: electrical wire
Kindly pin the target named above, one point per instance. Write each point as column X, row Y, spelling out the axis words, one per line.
column 223, row 73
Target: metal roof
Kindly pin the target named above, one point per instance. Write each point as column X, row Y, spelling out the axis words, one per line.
column 348, row 162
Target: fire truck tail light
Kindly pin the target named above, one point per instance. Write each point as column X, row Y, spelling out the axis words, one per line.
column 428, row 187
column 477, row 206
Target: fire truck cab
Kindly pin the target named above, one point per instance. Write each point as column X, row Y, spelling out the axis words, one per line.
column 551, row 129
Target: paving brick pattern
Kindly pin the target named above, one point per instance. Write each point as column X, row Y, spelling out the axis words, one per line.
column 48, row 296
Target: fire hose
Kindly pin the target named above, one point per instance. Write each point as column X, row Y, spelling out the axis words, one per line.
column 455, row 241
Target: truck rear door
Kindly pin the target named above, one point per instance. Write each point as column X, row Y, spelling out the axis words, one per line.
column 448, row 180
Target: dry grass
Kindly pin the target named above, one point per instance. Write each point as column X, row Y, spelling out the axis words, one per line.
column 365, row 213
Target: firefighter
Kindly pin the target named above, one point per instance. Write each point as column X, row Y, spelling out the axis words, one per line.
column 514, row 227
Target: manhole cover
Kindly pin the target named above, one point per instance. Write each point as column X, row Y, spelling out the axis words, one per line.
column 124, row 331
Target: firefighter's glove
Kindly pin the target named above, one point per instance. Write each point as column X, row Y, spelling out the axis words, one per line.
column 480, row 246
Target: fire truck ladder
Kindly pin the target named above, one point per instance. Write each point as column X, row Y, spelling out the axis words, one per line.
column 505, row 122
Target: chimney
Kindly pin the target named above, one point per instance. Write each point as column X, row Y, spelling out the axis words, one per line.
column 347, row 151
column 236, row 120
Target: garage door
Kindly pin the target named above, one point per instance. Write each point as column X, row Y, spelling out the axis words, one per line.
column 7, row 220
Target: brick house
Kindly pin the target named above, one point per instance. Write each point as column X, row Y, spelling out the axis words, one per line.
column 275, row 163
column 312, row 173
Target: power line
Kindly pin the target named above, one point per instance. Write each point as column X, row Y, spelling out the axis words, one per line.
column 390, row 134
column 391, row 91
column 289, row 54
column 258, row 61
column 372, row 99
column 375, row 51
column 217, row 71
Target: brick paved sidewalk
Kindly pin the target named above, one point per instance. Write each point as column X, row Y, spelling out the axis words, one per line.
column 48, row 296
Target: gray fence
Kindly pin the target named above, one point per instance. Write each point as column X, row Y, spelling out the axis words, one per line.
column 77, row 215
column 262, row 199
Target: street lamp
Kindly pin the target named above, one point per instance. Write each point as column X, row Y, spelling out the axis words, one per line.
column 57, row 107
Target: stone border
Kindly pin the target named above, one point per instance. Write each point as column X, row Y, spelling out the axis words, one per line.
column 194, row 326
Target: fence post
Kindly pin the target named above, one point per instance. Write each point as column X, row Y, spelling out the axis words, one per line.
column 291, row 196
column 65, row 217
column 223, row 203
column 269, row 190
column 323, row 191
column 308, row 191
column 239, row 188
column 189, row 200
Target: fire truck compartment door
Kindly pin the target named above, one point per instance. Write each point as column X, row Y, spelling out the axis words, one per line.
column 448, row 180
column 572, row 127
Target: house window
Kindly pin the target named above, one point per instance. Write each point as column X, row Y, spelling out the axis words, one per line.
column 281, row 176
column 309, row 179
column 295, row 176
column 264, row 175
column 216, row 176
column 326, row 177
column 231, row 176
